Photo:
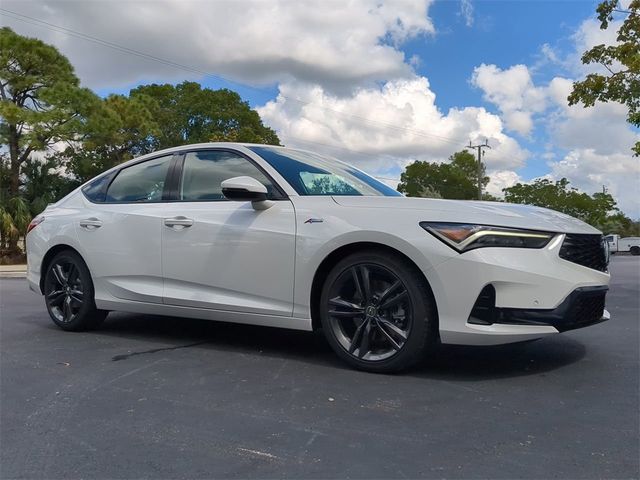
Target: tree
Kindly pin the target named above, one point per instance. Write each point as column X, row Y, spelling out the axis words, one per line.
column 188, row 113
column 456, row 179
column 593, row 209
column 44, row 183
column 621, row 224
column 118, row 131
column 14, row 218
column 41, row 102
column 621, row 83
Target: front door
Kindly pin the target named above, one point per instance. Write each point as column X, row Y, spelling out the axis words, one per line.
column 225, row 255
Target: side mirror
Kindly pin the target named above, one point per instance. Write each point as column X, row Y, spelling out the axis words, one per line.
column 246, row 189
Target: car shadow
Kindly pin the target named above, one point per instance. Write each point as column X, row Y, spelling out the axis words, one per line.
column 444, row 362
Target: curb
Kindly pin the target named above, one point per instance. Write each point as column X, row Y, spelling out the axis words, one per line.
column 13, row 271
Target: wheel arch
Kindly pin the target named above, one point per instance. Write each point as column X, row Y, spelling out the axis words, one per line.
column 339, row 253
column 51, row 253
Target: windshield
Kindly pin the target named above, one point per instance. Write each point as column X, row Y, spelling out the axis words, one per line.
column 313, row 174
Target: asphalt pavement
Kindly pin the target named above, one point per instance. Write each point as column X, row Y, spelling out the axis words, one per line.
column 153, row 397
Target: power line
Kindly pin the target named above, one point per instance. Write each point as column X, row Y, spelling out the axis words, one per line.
column 131, row 51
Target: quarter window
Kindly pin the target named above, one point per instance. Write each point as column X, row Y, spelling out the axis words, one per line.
column 204, row 171
column 143, row 182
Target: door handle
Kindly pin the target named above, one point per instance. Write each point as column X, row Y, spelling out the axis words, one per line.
column 178, row 222
column 90, row 223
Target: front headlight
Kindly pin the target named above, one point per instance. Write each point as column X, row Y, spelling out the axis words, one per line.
column 464, row 236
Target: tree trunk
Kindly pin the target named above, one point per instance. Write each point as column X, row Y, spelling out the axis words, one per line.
column 14, row 155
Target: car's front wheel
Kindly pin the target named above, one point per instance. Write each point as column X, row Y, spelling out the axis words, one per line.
column 376, row 311
column 69, row 296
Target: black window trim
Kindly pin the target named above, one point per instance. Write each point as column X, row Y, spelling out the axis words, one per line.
column 171, row 189
column 174, row 194
column 114, row 174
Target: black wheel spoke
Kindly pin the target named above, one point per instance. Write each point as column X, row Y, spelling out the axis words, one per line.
column 357, row 283
column 386, row 324
column 72, row 275
column 345, row 314
column 363, row 348
column 383, row 296
column 357, row 337
column 339, row 302
column 393, row 300
column 76, row 298
column 55, row 297
column 59, row 275
column 366, row 283
column 396, row 346
column 67, row 312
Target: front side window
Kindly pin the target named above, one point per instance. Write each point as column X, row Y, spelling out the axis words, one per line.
column 142, row 182
column 313, row 174
column 204, row 171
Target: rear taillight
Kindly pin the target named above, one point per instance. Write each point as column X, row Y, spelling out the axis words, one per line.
column 34, row 223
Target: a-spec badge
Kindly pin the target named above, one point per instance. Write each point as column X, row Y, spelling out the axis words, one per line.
column 314, row 220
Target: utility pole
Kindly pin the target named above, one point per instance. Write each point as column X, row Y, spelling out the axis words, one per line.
column 479, row 166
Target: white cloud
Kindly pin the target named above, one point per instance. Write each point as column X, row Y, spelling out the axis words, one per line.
column 597, row 140
column 466, row 11
column 502, row 179
column 380, row 128
column 513, row 92
column 589, row 171
column 336, row 44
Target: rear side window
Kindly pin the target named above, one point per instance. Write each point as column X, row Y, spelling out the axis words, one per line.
column 143, row 182
column 96, row 190
column 204, row 171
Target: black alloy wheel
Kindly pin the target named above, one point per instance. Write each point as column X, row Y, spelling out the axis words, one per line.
column 376, row 312
column 68, row 291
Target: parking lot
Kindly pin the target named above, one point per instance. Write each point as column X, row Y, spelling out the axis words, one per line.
column 152, row 397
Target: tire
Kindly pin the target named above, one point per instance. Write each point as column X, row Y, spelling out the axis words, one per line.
column 69, row 293
column 635, row 250
column 385, row 327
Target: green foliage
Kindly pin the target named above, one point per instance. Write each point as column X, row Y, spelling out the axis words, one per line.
column 593, row 209
column 117, row 131
column 41, row 102
column 621, row 84
column 621, row 224
column 187, row 113
column 14, row 219
column 456, row 179
column 44, row 183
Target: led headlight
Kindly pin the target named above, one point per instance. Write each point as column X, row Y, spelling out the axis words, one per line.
column 464, row 236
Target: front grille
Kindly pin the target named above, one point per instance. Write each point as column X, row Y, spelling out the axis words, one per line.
column 586, row 250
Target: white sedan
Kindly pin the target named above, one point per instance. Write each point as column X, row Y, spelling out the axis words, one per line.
column 286, row 238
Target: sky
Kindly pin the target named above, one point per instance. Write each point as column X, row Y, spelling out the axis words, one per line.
column 378, row 83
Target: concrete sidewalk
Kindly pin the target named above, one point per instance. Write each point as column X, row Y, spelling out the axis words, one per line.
column 13, row 271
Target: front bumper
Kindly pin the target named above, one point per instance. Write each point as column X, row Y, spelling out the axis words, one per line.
column 534, row 294
column 583, row 307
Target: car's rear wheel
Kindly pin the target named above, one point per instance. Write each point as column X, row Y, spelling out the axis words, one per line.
column 377, row 312
column 69, row 293
column 634, row 250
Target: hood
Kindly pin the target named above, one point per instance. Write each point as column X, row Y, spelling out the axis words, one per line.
column 469, row 211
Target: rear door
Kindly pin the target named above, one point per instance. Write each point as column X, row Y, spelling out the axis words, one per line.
column 120, row 231
column 225, row 255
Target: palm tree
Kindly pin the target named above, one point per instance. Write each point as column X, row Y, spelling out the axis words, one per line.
column 14, row 219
